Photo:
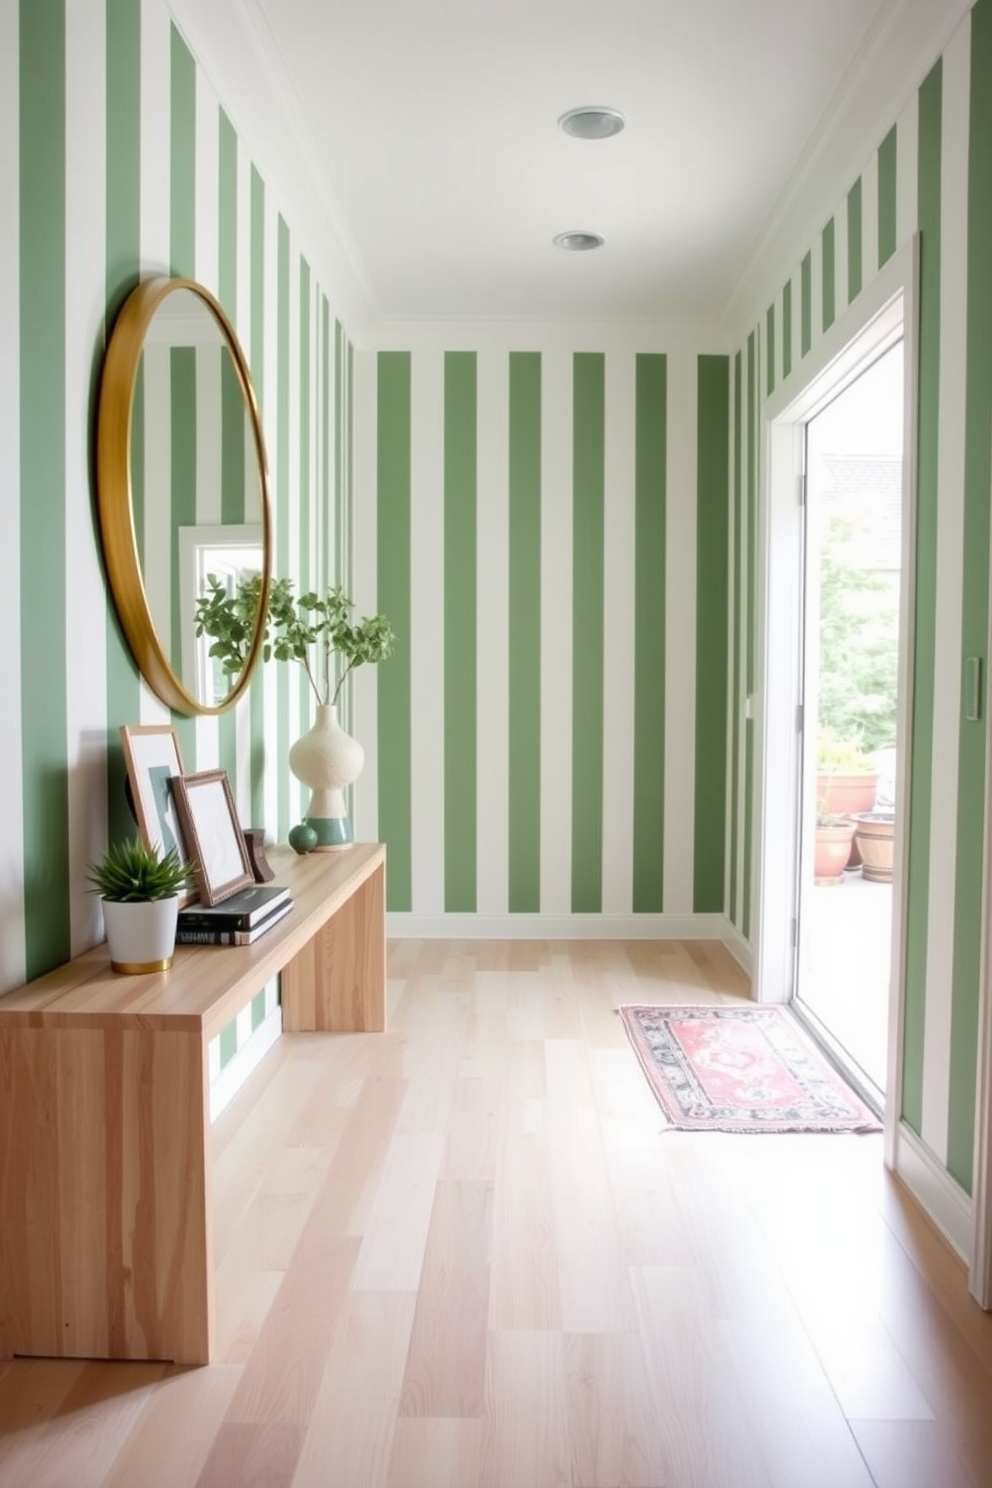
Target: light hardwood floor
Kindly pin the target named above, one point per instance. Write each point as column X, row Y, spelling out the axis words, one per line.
column 464, row 1252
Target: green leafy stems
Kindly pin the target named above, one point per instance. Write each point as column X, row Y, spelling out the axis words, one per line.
column 315, row 630
column 130, row 872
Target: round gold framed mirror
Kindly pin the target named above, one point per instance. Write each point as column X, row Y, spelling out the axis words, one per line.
column 182, row 485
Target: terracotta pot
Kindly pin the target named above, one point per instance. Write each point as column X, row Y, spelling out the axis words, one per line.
column 832, row 850
column 875, row 834
column 839, row 794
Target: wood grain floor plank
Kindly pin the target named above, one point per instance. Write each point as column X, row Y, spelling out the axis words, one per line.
column 392, row 1251
column 354, row 1416
column 76, row 1442
column 245, row 1455
column 175, row 1434
column 281, row 1379
column 445, row 1369
column 912, row 1454
column 525, row 1432
column 435, row 1453
column 613, row 1427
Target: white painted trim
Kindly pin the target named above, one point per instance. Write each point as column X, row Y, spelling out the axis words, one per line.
column 235, row 1073
column 565, row 336
column 935, row 1190
column 739, row 948
column 887, row 304
column 903, row 42
column 401, row 926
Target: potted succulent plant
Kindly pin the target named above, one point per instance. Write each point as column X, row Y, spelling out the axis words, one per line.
column 140, row 893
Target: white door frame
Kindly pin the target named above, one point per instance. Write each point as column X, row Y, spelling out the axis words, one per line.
column 884, row 311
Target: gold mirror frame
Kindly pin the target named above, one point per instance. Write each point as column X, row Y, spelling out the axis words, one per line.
column 114, row 490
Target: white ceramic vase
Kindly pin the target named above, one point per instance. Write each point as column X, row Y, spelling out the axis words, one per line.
column 141, row 936
column 327, row 760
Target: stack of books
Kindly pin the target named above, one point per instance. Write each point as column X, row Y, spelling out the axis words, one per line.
column 236, row 921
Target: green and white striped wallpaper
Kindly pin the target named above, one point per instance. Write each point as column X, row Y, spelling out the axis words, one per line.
column 547, row 529
column 931, row 173
column 121, row 161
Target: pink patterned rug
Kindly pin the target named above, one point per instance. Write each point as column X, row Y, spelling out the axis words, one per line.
column 741, row 1069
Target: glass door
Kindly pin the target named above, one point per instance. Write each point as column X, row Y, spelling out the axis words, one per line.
column 853, row 493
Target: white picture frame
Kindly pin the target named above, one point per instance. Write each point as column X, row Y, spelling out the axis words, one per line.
column 153, row 761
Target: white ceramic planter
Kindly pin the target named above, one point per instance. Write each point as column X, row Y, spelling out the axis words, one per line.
column 327, row 759
column 141, row 936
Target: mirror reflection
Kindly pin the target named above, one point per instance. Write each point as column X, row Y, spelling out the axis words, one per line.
column 196, row 491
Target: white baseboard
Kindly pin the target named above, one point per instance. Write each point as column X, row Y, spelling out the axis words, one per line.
column 932, row 1186
column 235, row 1073
column 739, row 948
column 556, row 927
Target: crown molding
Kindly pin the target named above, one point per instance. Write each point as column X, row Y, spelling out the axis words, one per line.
column 904, row 41
column 232, row 43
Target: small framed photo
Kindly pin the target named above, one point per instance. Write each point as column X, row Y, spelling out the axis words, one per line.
column 216, row 842
column 154, row 763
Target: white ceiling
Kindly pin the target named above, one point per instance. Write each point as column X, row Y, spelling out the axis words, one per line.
column 432, row 124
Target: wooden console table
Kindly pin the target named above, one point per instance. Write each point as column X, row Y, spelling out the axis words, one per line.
column 105, row 1231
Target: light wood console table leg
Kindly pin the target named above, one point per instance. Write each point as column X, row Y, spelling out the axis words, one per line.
column 338, row 981
column 104, row 1218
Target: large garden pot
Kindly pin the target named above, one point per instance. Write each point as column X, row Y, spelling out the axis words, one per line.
column 875, row 833
column 831, row 851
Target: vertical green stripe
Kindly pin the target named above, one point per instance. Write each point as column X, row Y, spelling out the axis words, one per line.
column 712, row 540
column 261, row 682
column 829, row 275
column 227, row 215
column 525, row 633
column 650, row 493
column 329, row 433
column 887, row 197
column 349, row 474
column 283, row 558
column 393, row 676
column 588, row 480
column 42, row 503
column 228, row 1044
column 738, row 621
column 806, row 305
column 232, row 413
column 182, row 470
column 460, row 402
column 339, row 570
column 918, row 885
column 182, row 207
column 770, row 344
column 123, row 141
column 854, row 246
column 232, row 427
column 752, row 506
column 182, row 120
column 302, row 496
column 751, row 622
column 787, row 329
column 969, row 884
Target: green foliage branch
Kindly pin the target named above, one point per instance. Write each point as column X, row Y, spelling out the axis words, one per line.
column 316, row 630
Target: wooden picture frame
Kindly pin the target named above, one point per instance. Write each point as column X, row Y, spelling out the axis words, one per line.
column 154, row 762
column 209, row 816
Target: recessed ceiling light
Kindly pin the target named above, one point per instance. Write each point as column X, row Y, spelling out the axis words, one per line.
column 578, row 242
column 592, row 123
